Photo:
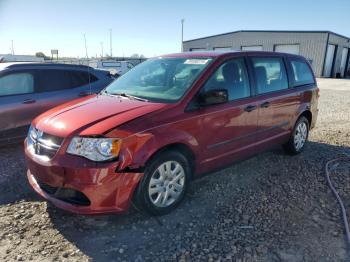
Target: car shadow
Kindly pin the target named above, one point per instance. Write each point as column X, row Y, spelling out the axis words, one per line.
column 135, row 236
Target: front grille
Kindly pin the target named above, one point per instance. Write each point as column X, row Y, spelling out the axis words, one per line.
column 65, row 194
column 43, row 144
column 47, row 188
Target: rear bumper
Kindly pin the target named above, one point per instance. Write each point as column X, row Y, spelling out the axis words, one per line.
column 314, row 118
column 82, row 190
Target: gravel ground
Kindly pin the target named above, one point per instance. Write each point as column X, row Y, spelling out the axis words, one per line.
column 272, row 207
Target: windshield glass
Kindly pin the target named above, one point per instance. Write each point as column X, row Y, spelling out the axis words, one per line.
column 159, row 79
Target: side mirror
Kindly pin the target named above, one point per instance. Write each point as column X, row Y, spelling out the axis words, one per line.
column 213, row 97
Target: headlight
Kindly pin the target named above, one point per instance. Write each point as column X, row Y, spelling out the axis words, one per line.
column 32, row 133
column 96, row 149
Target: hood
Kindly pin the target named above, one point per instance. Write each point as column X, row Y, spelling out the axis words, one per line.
column 93, row 116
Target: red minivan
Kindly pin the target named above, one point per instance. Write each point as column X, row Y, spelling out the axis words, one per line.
column 166, row 121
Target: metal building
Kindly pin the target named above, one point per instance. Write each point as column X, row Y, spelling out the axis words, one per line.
column 328, row 52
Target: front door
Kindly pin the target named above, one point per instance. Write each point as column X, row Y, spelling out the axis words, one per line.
column 228, row 129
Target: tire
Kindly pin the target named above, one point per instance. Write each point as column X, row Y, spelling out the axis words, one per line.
column 160, row 191
column 298, row 139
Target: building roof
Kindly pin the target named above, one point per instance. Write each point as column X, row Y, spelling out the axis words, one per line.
column 269, row 31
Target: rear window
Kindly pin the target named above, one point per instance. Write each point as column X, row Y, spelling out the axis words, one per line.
column 302, row 74
column 111, row 64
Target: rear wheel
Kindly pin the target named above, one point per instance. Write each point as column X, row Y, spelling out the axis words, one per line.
column 299, row 136
column 164, row 183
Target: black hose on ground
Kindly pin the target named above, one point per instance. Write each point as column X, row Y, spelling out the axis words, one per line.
column 336, row 194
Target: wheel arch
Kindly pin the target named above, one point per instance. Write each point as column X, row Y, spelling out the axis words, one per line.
column 308, row 115
column 181, row 148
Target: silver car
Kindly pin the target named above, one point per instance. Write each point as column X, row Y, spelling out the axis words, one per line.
column 29, row 89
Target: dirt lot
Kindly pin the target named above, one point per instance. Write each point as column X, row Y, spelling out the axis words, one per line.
column 272, row 207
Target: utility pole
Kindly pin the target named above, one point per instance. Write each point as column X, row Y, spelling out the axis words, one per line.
column 182, row 34
column 12, row 50
column 110, row 40
column 86, row 50
column 101, row 50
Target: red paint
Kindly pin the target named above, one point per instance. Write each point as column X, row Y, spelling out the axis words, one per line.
column 147, row 127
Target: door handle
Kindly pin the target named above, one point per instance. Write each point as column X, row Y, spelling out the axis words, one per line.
column 28, row 101
column 250, row 108
column 265, row 104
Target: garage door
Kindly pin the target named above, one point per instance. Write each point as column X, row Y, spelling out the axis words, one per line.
column 222, row 48
column 329, row 61
column 290, row 49
column 252, row 48
column 344, row 57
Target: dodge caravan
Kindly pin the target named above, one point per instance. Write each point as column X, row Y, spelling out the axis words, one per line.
column 165, row 122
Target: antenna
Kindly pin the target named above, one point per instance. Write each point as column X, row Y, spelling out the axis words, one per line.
column 87, row 58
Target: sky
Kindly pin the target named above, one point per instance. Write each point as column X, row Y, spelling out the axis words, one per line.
column 152, row 27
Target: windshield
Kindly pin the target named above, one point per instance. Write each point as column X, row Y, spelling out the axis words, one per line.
column 159, row 79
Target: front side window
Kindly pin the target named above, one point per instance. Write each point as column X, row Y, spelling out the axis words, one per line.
column 17, row 83
column 160, row 79
column 302, row 73
column 231, row 76
column 270, row 74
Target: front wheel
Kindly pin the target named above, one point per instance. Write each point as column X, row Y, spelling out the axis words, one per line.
column 299, row 136
column 164, row 183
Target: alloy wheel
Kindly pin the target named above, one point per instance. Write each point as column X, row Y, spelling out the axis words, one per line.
column 300, row 136
column 166, row 184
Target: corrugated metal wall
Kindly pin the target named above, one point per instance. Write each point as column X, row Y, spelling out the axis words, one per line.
column 312, row 44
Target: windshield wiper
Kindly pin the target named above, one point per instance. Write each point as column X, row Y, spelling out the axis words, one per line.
column 126, row 95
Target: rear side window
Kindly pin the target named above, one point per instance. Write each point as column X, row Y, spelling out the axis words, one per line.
column 270, row 74
column 16, row 83
column 302, row 74
column 52, row 79
column 55, row 79
column 81, row 78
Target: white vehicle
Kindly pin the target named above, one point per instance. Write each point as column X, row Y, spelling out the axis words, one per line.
column 116, row 68
column 20, row 58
